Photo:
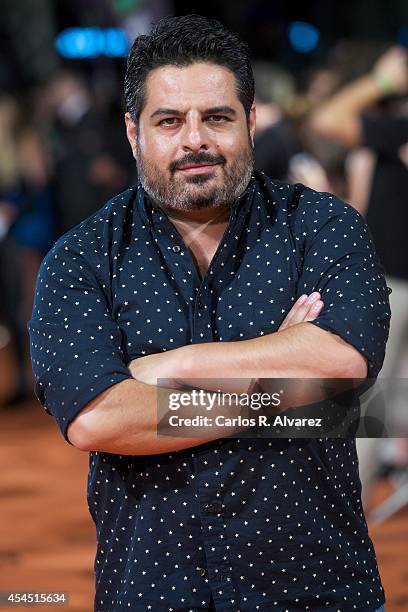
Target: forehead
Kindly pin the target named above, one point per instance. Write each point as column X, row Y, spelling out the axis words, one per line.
column 199, row 85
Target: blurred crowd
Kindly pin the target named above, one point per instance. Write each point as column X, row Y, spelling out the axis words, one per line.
column 339, row 127
column 64, row 153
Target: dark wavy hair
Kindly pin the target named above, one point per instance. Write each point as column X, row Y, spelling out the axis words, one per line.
column 182, row 41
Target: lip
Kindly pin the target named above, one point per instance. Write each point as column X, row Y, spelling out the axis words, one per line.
column 197, row 168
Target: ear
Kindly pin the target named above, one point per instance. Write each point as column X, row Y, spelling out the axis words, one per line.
column 252, row 122
column 131, row 132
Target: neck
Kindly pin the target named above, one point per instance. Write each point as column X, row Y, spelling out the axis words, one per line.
column 200, row 215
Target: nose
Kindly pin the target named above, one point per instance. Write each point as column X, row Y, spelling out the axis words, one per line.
column 194, row 137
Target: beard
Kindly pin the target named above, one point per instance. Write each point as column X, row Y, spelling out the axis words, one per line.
column 173, row 191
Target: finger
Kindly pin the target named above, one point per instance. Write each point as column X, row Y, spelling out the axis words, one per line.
column 287, row 320
column 299, row 310
column 292, row 312
column 302, row 311
column 314, row 311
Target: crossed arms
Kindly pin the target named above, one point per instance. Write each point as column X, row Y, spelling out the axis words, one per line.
column 123, row 419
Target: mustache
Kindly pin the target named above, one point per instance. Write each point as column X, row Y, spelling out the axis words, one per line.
column 198, row 158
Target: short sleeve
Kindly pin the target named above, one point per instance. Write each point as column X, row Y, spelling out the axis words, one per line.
column 75, row 343
column 340, row 262
column 384, row 135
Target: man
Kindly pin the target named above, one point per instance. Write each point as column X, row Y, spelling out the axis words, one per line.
column 202, row 271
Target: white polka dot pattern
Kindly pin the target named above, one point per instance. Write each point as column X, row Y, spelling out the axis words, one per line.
column 261, row 524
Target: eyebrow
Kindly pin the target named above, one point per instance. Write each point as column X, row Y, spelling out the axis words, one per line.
column 226, row 110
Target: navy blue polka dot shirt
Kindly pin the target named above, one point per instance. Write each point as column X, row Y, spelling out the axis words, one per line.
column 259, row 524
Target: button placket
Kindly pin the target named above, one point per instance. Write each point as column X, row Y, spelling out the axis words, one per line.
column 202, row 330
column 214, row 535
column 176, row 256
column 213, row 508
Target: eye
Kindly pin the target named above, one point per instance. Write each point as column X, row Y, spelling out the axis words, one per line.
column 170, row 121
column 217, row 118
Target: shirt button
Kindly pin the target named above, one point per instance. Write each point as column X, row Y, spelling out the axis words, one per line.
column 213, row 508
column 176, row 248
column 202, row 571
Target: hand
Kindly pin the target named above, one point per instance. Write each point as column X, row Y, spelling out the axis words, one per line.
column 306, row 308
column 305, row 168
column 166, row 366
column 392, row 70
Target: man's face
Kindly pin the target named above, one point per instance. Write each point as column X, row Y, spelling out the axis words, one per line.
column 192, row 144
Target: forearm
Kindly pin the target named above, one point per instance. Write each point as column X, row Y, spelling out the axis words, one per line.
column 291, row 353
column 339, row 118
column 123, row 420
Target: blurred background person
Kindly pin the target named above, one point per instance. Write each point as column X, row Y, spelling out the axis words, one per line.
column 369, row 117
column 276, row 139
column 27, row 230
column 279, row 150
column 88, row 146
column 9, row 324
